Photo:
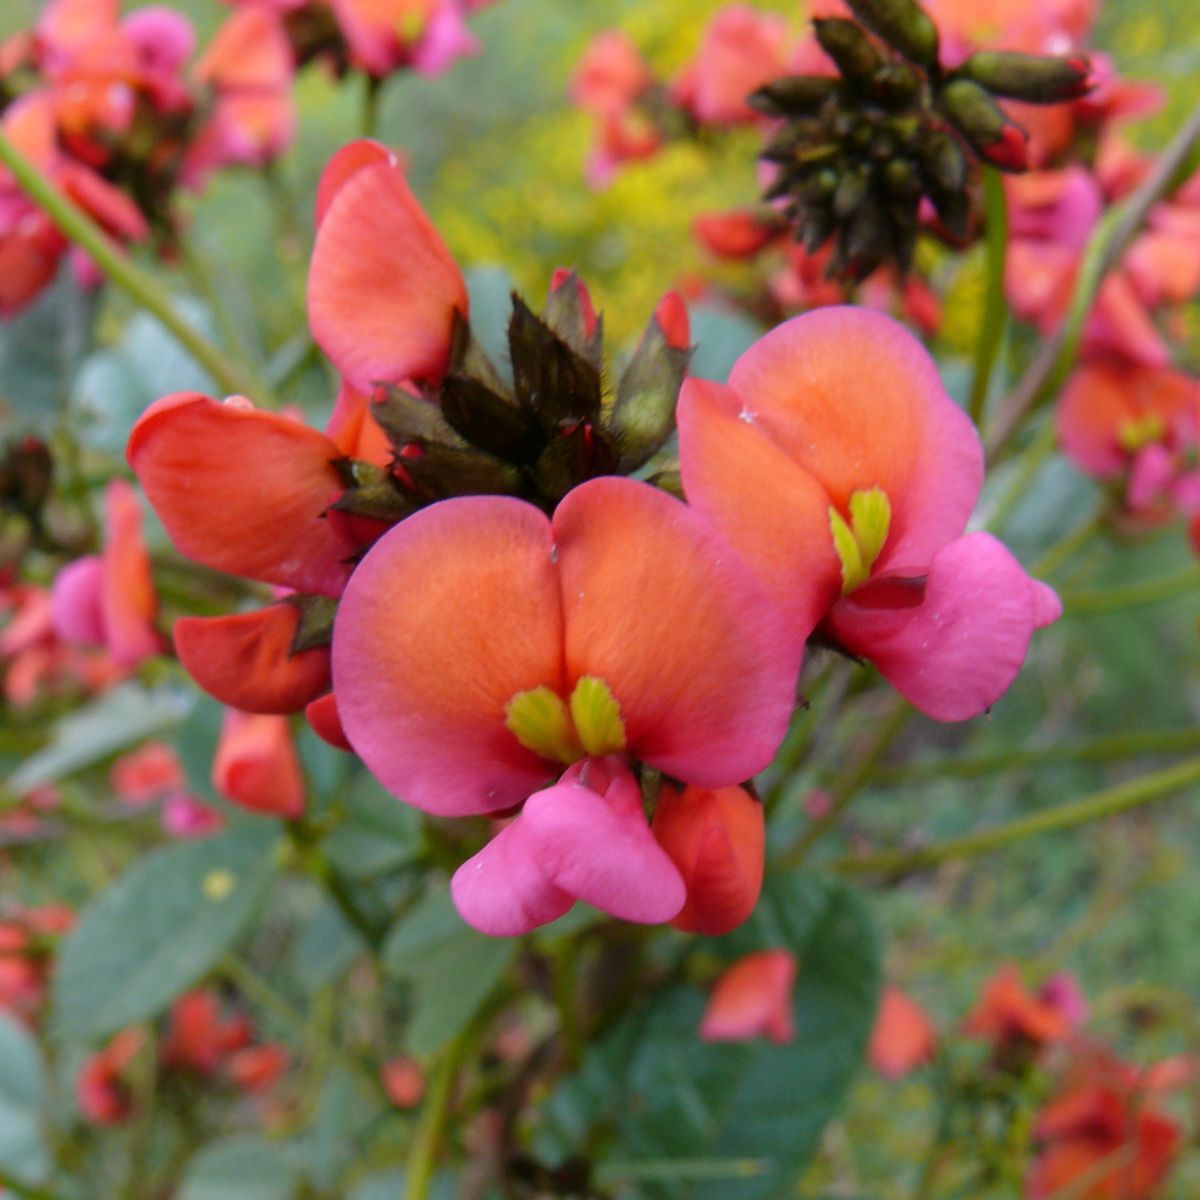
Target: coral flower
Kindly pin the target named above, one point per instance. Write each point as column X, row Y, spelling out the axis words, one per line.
column 903, row 1037
column 102, row 1089
column 1008, row 1014
column 146, row 774
column 191, row 453
column 256, row 764
column 109, row 600
column 1105, row 1137
column 249, row 66
column 716, row 840
column 753, row 998
column 1115, row 418
column 741, row 50
column 837, row 466
column 382, row 287
column 481, row 648
column 198, row 1038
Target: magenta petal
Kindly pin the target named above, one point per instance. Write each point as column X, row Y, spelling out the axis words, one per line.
column 502, row 892
column 75, row 601
column 600, row 850
column 957, row 652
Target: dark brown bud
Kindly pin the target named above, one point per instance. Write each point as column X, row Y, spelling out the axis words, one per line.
column 1029, row 77
column 904, row 25
column 793, row 95
column 853, row 52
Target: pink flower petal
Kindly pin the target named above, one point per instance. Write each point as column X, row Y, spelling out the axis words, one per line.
column 450, row 615
column 600, row 849
column 76, row 602
column 956, row 652
column 503, row 892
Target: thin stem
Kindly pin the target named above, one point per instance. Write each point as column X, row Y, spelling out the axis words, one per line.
column 1107, row 244
column 427, row 1137
column 1095, row 807
column 1105, row 749
column 372, row 88
column 848, row 784
column 24, row 1191
column 1054, row 557
column 995, row 310
column 1032, row 460
column 1131, row 595
column 79, row 228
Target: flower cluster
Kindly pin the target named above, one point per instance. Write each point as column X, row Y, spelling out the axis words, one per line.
column 119, row 113
column 1101, row 1128
column 512, row 627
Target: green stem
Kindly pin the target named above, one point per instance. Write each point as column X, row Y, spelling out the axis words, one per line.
column 1105, row 749
column 372, row 88
column 427, row 1137
column 1054, row 557
column 1108, row 242
column 995, row 310
column 24, row 1191
column 79, row 228
column 1131, row 595
column 850, row 782
column 1095, row 807
column 1034, row 457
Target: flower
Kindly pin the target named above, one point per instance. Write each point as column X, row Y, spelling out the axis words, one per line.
column 198, row 1039
column 1105, row 1136
column 102, row 1089
column 146, row 774
column 864, row 474
column 753, row 998
column 1008, row 1014
column 618, row 631
column 716, row 840
column 903, row 1037
column 109, row 600
column 256, row 764
column 382, row 287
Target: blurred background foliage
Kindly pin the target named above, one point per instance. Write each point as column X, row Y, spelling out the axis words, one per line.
column 497, row 155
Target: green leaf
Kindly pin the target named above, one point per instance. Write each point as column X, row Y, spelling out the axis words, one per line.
column 335, row 1140
column 450, row 967
column 240, row 1168
column 119, row 718
column 388, row 1185
column 115, row 386
column 22, row 1103
column 162, row 926
column 378, row 833
column 738, row 1121
column 720, row 337
column 40, row 350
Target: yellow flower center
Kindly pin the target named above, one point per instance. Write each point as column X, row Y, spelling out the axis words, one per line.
column 589, row 725
column 858, row 542
column 1139, row 432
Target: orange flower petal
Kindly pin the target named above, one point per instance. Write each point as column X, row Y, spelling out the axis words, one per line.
column 451, row 614
column 382, row 288
column 256, row 764
column 655, row 605
column 245, row 660
column 243, row 491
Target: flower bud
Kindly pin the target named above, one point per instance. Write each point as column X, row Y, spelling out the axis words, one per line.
column 853, row 52
column 570, row 313
column 904, row 25
column 793, row 95
column 753, row 998
column 644, row 413
column 256, row 765
column 1029, row 77
column 983, row 123
column 716, row 839
column 902, row 1038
